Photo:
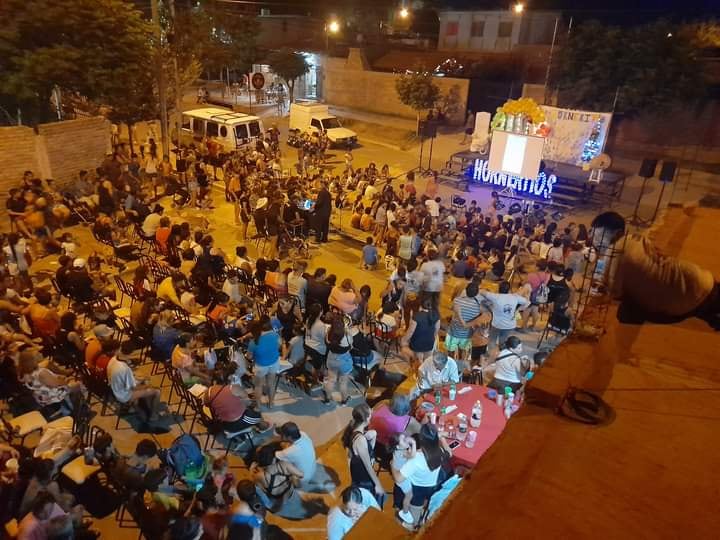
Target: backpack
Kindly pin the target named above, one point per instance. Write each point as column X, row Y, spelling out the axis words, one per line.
column 185, row 454
column 540, row 295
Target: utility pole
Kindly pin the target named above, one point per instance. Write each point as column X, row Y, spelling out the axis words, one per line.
column 160, row 78
column 178, row 97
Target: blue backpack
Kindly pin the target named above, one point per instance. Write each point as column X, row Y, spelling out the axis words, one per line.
column 185, row 454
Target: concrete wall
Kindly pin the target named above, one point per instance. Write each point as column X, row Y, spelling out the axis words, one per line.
column 57, row 150
column 479, row 30
column 350, row 83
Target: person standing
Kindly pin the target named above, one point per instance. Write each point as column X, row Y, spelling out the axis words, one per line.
column 503, row 305
column 433, row 277
column 323, row 208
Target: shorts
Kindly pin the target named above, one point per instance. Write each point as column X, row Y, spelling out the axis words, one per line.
column 249, row 418
column 453, row 343
column 272, row 369
column 316, row 359
column 478, row 351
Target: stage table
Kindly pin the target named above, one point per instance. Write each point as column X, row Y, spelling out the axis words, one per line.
column 493, row 421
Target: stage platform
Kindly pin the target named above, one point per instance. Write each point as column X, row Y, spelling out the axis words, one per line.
column 571, row 190
column 647, row 470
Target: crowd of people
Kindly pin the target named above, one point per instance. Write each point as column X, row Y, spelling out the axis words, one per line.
column 228, row 325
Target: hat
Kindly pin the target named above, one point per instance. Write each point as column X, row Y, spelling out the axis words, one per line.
column 261, row 203
column 102, row 331
column 79, row 263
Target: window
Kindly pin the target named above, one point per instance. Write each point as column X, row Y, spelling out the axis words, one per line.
column 212, row 129
column 198, row 127
column 505, row 29
column 241, row 131
column 477, row 29
column 223, row 131
column 451, row 28
column 186, row 122
column 315, row 123
column 254, row 129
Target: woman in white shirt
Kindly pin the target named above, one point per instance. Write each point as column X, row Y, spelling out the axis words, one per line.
column 510, row 366
column 426, row 453
column 315, row 331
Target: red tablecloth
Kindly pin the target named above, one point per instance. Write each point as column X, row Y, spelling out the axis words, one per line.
column 493, row 421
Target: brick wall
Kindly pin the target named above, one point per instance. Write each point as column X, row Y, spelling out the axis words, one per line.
column 73, row 145
column 349, row 84
column 57, row 150
column 17, row 154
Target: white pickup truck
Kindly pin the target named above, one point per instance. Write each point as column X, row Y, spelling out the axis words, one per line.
column 317, row 117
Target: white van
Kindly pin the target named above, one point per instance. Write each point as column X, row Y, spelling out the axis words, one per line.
column 232, row 130
column 316, row 117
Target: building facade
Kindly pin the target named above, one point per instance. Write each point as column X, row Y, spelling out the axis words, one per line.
column 498, row 31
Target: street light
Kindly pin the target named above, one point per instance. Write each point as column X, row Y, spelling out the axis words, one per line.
column 404, row 13
column 332, row 27
column 519, row 8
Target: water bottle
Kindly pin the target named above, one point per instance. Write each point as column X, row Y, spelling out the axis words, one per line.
column 89, row 454
column 462, row 431
column 508, row 408
column 499, row 399
column 438, row 397
column 452, row 393
column 471, row 438
column 476, row 416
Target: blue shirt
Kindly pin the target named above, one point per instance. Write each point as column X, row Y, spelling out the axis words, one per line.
column 370, row 255
column 267, row 349
column 164, row 340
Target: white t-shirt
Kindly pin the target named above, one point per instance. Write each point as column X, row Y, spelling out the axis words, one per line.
column 233, row 291
column 433, row 272
column 555, row 254
column 508, row 366
column 315, row 337
column 121, row 379
column 339, row 523
column 503, row 307
column 433, row 208
column 151, row 224
column 417, row 471
column 301, row 454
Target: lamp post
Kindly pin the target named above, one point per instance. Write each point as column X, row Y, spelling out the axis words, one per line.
column 332, row 27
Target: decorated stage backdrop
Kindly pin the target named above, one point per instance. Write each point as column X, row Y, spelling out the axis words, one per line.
column 575, row 136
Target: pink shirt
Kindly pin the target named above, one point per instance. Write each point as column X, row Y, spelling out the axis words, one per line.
column 387, row 424
column 31, row 528
column 537, row 278
column 343, row 300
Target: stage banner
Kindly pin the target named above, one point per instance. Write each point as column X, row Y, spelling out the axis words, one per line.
column 575, row 136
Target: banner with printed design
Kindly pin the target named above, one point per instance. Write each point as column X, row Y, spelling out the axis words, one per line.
column 570, row 131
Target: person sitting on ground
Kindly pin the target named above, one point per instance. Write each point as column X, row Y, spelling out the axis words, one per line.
column 369, row 255
column 298, row 449
column 354, row 502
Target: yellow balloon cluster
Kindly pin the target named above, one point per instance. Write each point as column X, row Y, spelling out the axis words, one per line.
column 525, row 106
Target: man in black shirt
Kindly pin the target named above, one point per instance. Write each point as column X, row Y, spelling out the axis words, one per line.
column 318, row 290
column 323, row 208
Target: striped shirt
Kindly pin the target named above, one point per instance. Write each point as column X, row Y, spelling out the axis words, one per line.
column 469, row 309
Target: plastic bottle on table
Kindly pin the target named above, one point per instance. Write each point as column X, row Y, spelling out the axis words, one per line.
column 452, row 393
column 499, row 399
column 508, row 408
column 476, row 415
column 471, row 438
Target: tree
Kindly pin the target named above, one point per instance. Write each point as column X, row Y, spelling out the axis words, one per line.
column 76, row 45
column 418, row 91
column 289, row 65
column 648, row 67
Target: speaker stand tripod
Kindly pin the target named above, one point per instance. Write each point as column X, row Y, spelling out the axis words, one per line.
column 636, row 220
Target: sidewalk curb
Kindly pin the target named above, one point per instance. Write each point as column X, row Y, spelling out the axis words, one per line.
column 380, row 143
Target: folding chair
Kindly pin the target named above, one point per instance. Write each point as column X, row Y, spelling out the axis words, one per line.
column 558, row 323
column 77, row 470
column 386, row 338
column 214, row 427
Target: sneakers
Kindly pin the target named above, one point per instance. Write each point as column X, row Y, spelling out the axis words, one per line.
column 406, row 516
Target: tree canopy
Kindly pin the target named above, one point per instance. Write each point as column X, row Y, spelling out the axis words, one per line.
column 649, row 67
column 83, row 46
column 289, row 65
column 417, row 90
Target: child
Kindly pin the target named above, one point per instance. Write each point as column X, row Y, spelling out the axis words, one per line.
column 369, row 255
column 399, row 459
column 68, row 246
